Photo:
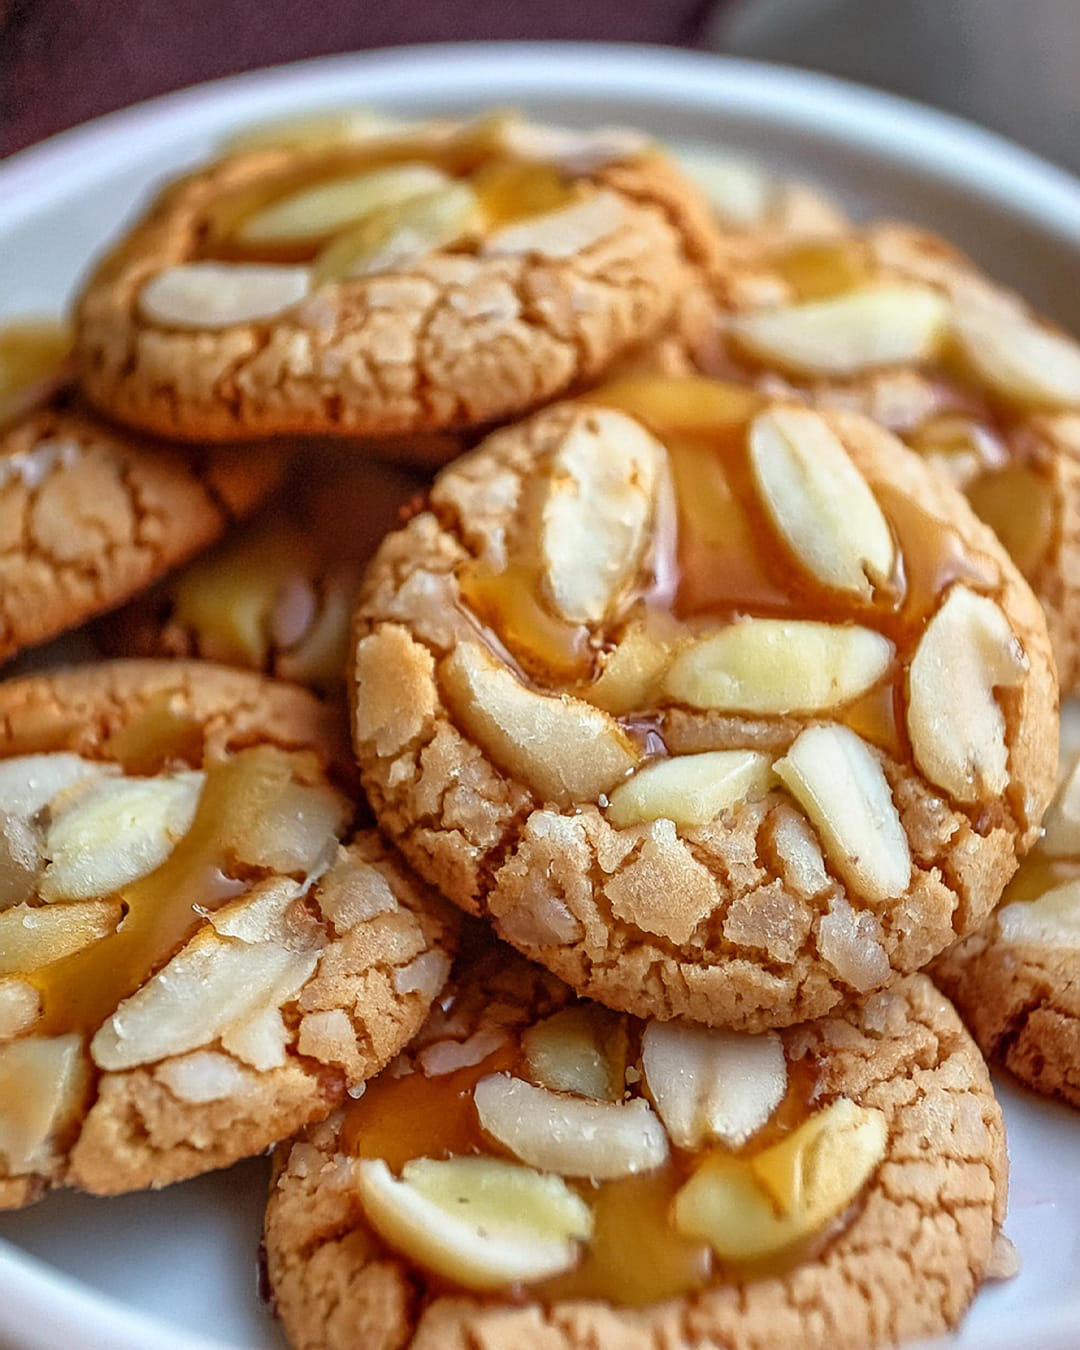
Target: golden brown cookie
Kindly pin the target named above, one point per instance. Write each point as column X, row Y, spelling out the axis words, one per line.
column 894, row 322
column 717, row 706
column 278, row 595
column 540, row 1172
column 199, row 951
column 1016, row 982
column 89, row 514
column 427, row 276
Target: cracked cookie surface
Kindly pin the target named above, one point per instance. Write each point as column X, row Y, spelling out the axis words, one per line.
column 894, row 322
column 508, row 262
column 604, row 702
column 904, row 1260
column 200, row 950
column 1016, row 982
column 90, row 515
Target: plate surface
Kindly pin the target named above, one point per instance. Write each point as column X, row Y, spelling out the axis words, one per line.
column 177, row 1270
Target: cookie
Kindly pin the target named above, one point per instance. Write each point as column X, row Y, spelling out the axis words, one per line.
column 91, row 515
column 894, row 322
column 717, row 706
column 428, row 276
column 278, row 595
column 199, row 951
column 539, row 1171
column 1016, row 982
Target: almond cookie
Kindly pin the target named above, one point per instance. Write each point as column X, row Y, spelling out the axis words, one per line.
column 414, row 278
column 894, row 322
column 90, row 515
column 199, row 952
column 539, row 1171
column 1016, row 982
column 717, row 706
column 277, row 596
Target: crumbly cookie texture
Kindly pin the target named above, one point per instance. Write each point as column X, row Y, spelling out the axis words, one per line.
column 277, row 596
column 894, row 322
column 199, row 951
column 218, row 318
column 583, row 719
column 1016, row 982
column 906, row 1263
column 90, row 515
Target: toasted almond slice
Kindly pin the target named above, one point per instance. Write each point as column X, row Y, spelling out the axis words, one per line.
column 575, row 152
column 712, row 1085
column 20, row 1007
column 633, row 673
column 857, row 331
column 1053, row 920
column 680, row 404
column 316, row 131
column 957, row 728
column 296, row 832
column 1020, row 360
column 218, row 295
column 738, row 190
column 40, row 1084
column 562, row 233
column 117, row 830
column 573, row 1136
column 819, row 501
column 691, row 789
column 33, row 356
column 327, row 208
column 580, row 1049
column 29, row 782
column 480, row 1222
column 396, row 237
column 850, row 941
column 839, row 782
column 20, row 860
column 749, row 1209
column 1061, row 824
column 563, row 749
column 598, row 505
column 35, row 936
column 778, row 666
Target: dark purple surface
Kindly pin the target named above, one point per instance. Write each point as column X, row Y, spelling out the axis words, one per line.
column 62, row 61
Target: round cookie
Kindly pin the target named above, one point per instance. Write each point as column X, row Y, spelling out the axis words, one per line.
column 894, row 322
column 199, row 951
column 728, row 718
column 415, row 278
column 885, row 1112
column 278, row 595
column 1016, row 982
column 91, row 515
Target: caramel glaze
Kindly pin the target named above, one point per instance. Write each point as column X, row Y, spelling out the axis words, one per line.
column 635, row 1256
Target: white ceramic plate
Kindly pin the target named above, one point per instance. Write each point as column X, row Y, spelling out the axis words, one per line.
column 177, row 1270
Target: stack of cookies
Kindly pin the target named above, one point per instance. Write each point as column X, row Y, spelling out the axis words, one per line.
column 713, row 678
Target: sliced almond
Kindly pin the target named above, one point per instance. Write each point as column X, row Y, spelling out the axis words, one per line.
column 563, row 749
column 778, row 666
column 850, row 941
column 598, row 505
column 738, row 190
column 33, row 356
column 1053, row 920
column 749, row 1209
column 296, row 832
column 32, row 937
column 563, row 233
column 20, row 1007
column 205, row 1076
column 327, row 208
column 687, row 404
column 857, row 331
column 580, row 1049
column 633, row 673
column 20, row 860
column 957, row 728
column 40, row 1085
column 117, row 830
column 819, row 502
column 839, row 782
column 217, row 295
column 573, row 1136
column 712, row 1085
column 29, row 782
column 691, row 789
column 575, row 152
column 1019, row 359
column 396, row 237
column 481, row 1222
column 315, row 131
column 1061, row 824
